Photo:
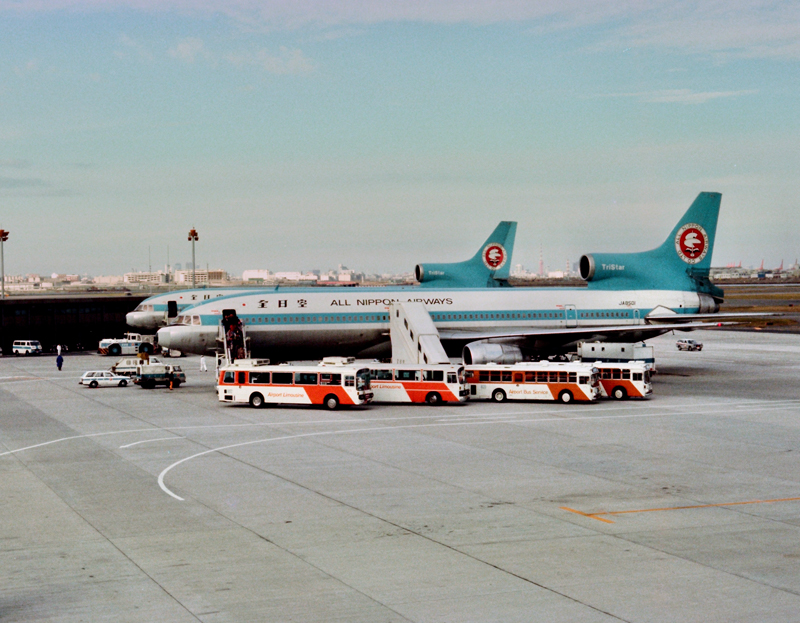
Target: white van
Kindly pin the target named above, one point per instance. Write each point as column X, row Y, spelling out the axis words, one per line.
column 127, row 365
column 26, row 347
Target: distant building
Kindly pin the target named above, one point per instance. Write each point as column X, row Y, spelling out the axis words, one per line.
column 149, row 278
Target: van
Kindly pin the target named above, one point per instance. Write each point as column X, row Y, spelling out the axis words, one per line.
column 26, row 347
column 127, row 365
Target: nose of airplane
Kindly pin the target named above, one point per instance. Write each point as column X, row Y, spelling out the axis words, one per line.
column 166, row 338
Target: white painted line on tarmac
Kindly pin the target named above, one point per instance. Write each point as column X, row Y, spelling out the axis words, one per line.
column 793, row 404
column 136, row 443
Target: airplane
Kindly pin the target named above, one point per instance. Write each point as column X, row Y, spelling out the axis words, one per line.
column 628, row 297
column 157, row 311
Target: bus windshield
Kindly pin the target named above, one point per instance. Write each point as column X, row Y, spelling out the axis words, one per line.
column 362, row 379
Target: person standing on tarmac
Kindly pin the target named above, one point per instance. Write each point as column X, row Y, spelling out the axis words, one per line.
column 59, row 362
column 170, row 378
column 203, row 367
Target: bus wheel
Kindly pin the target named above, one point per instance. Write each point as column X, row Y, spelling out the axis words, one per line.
column 619, row 393
column 499, row 395
column 565, row 396
column 433, row 399
column 256, row 400
column 115, row 349
column 331, row 402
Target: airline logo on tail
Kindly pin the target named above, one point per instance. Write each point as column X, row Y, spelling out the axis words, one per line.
column 494, row 256
column 691, row 243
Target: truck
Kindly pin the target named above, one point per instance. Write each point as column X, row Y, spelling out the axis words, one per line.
column 131, row 344
column 148, row 375
column 617, row 352
column 126, row 366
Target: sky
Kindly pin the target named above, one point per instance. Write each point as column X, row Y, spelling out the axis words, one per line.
column 307, row 134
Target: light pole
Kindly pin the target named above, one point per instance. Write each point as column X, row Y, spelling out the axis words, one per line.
column 192, row 238
column 3, row 238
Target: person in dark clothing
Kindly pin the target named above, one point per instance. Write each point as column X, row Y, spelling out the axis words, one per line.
column 59, row 362
column 170, row 379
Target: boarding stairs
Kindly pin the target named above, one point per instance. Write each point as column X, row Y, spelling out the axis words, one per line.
column 233, row 344
column 414, row 336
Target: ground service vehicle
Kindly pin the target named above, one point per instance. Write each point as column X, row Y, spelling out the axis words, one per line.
column 26, row 347
column 102, row 378
column 689, row 345
column 127, row 365
column 433, row 384
column 624, row 380
column 152, row 374
column 256, row 382
column 131, row 344
column 539, row 380
column 617, row 351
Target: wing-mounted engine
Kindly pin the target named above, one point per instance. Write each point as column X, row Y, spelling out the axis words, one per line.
column 488, row 268
column 488, row 352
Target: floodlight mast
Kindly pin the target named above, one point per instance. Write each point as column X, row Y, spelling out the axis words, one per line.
column 3, row 238
column 193, row 237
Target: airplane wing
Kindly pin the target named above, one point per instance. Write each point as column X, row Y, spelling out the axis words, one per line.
column 554, row 338
column 735, row 316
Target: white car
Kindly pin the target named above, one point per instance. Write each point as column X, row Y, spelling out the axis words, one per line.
column 97, row 378
column 689, row 345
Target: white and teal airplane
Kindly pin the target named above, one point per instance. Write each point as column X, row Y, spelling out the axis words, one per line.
column 162, row 309
column 629, row 297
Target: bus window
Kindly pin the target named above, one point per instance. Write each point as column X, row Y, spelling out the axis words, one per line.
column 583, row 380
column 637, row 376
column 259, row 378
column 381, row 375
column 330, row 379
column 434, row 375
column 406, row 375
column 241, row 378
column 281, row 378
column 530, row 377
column 507, row 377
column 573, row 377
column 495, row 377
column 452, row 377
column 562, row 377
column 626, row 374
column 518, row 377
column 606, row 374
column 305, row 378
column 541, row 377
column 483, row 376
column 349, row 381
column 616, row 373
column 229, row 378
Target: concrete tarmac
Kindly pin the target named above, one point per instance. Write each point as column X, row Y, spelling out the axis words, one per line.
column 123, row 504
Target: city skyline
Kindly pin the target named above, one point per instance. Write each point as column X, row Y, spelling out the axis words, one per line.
column 387, row 135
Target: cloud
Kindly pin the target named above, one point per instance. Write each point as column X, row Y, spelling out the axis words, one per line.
column 288, row 61
column 679, row 96
column 188, row 50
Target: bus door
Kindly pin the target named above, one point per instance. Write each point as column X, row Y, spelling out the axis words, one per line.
column 571, row 316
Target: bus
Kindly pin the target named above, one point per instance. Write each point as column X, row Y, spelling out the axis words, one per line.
column 621, row 380
column 538, row 380
column 417, row 382
column 258, row 383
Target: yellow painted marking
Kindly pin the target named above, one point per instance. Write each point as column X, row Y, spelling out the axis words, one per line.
column 672, row 508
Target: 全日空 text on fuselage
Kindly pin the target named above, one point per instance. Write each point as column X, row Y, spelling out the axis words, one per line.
column 307, row 323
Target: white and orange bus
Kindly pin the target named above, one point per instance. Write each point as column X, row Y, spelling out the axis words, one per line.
column 258, row 383
column 538, row 380
column 417, row 382
column 621, row 380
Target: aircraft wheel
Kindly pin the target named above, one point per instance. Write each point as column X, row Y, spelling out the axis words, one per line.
column 256, row 400
column 499, row 395
column 93, row 384
column 619, row 393
column 433, row 399
column 331, row 402
column 565, row 396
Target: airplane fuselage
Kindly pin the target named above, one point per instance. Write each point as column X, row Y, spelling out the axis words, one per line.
column 313, row 322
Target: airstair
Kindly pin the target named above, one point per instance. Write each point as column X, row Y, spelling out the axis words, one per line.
column 415, row 338
column 232, row 338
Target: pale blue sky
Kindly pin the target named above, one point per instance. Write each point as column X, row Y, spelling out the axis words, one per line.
column 307, row 134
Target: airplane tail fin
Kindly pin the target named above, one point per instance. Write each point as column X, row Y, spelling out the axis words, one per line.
column 489, row 267
column 682, row 262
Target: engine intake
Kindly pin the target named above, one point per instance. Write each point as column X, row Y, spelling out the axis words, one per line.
column 487, row 352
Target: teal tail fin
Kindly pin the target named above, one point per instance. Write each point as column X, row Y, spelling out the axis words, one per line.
column 682, row 262
column 488, row 268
